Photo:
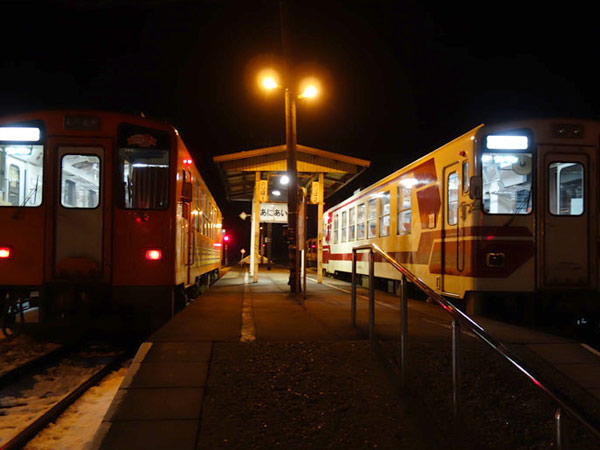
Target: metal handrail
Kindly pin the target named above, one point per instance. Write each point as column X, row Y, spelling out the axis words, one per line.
column 459, row 319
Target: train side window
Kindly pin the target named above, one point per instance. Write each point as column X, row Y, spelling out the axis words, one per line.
column 404, row 209
column 80, row 181
column 360, row 218
column 465, row 176
column 566, row 188
column 344, row 225
column 372, row 218
column 452, row 195
column 384, row 214
column 21, row 175
column 335, row 228
column 196, row 212
column 351, row 223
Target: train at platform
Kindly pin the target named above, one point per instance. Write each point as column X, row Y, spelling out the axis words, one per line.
column 103, row 213
column 509, row 209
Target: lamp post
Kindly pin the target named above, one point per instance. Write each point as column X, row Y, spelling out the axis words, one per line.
column 310, row 91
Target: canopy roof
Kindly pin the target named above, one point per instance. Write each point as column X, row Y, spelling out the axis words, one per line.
column 237, row 169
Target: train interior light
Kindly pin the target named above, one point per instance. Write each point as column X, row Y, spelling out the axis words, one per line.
column 20, row 134
column 507, row 142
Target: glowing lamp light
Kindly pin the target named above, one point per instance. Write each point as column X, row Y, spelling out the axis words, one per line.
column 276, row 193
column 309, row 92
column 217, row 244
column 284, row 180
column 4, row 252
column 153, row 254
column 269, row 83
column 188, row 162
column 226, row 238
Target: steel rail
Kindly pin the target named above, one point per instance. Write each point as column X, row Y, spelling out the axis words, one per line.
column 460, row 319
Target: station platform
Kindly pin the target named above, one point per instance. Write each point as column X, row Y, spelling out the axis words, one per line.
column 251, row 366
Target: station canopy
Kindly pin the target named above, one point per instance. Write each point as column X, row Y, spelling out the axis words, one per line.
column 238, row 169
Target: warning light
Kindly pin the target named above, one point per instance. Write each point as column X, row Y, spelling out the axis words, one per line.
column 153, row 254
column 4, row 252
column 226, row 238
column 188, row 162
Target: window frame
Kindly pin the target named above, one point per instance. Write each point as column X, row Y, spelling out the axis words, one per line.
column 400, row 209
column 372, row 201
column 448, row 200
column 344, row 226
column 557, row 189
column 100, row 174
column 361, row 224
column 382, row 214
column 352, row 224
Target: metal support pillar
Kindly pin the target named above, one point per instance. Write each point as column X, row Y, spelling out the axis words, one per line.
column 320, row 231
column 254, row 238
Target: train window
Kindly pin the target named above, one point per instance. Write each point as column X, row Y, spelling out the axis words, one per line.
column 452, row 196
column 372, row 218
column 344, row 225
column 80, row 181
column 360, row 218
column 196, row 212
column 404, row 206
column 465, row 176
column 384, row 214
column 566, row 193
column 507, row 183
column 21, row 175
column 351, row 224
column 335, row 228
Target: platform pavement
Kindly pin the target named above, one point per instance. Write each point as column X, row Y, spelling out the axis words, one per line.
column 170, row 395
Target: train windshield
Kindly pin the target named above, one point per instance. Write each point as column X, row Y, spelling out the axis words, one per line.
column 507, row 182
column 143, row 167
column 21, row 175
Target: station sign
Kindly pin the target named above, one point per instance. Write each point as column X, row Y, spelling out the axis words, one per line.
column 273, row 213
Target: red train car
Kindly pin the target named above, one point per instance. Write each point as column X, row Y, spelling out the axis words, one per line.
column 103, row 212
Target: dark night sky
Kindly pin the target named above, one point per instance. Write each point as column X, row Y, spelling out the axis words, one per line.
column 401, row 78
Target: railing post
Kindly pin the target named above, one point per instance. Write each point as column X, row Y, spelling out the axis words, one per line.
column 456, row 369
column 403, row 326
column 353, row 300
column 371, row 295
column 559, row 436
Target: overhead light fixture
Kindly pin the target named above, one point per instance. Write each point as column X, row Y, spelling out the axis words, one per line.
column 284, row 180
column 276, row 193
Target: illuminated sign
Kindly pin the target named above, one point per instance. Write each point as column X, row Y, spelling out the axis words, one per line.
column 20, row 134
column 273, row 212
column 507, row 142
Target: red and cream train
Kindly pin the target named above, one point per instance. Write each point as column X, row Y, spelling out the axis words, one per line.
column 503, row 208
column 103, row 211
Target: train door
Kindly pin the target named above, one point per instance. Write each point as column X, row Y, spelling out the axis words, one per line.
column 566, row 209
column 80, row 212
column 453, row 245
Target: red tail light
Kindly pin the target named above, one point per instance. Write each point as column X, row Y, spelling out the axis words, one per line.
column 153, row 254
column 5, row 252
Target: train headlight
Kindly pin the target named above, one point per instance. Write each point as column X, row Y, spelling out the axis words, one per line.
column 153, row 254
column 5, row 252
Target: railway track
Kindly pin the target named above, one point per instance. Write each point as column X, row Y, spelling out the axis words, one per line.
column 36, row 393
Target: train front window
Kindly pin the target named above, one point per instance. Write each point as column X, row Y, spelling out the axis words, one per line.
column 566, row 188
column 507, row 182
column 21, row 175
column 144, row 176
column 80, row 181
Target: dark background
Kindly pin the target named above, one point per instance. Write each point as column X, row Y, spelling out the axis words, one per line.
column 400, row 78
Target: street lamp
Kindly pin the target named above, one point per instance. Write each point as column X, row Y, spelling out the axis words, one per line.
column 309, row 89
